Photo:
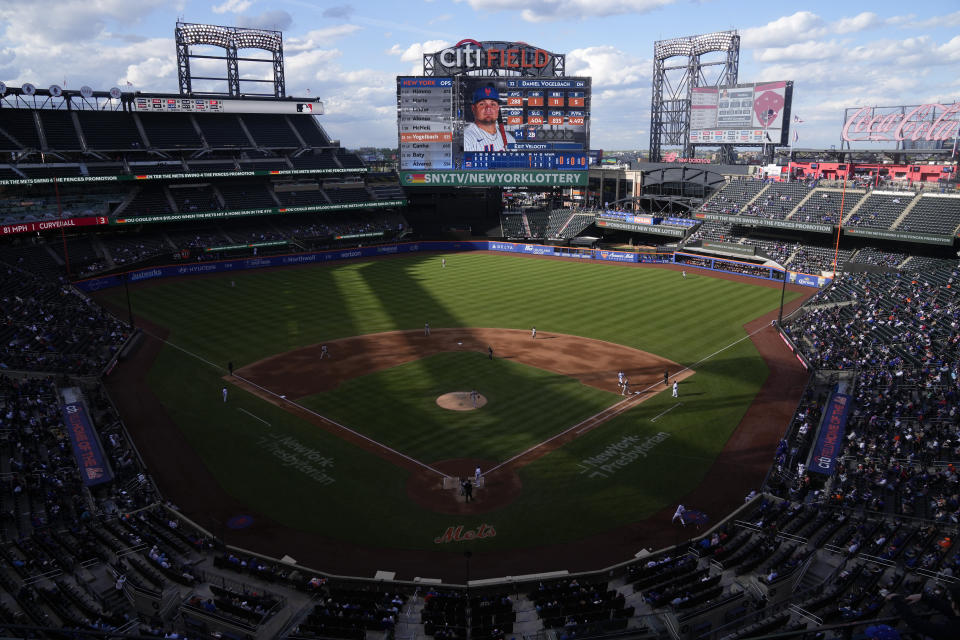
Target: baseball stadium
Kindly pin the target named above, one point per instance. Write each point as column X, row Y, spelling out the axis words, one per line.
column 257, row 386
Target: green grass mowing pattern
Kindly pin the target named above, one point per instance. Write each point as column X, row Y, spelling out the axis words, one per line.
column 398, row 408
column 276, row 310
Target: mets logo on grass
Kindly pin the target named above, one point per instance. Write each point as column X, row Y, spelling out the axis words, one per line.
column 460, row 534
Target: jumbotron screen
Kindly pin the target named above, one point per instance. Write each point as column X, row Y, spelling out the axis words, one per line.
column 489, row 123
column 743, row 114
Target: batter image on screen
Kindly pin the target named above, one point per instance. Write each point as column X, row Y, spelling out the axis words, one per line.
column 486, row 132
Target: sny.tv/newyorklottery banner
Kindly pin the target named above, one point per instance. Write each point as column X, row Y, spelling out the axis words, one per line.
column 829, row 445
column 86, row 446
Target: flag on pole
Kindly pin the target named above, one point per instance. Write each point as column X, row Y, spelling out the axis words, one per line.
column 129, row 84
column 796, row 135
column 797, row 119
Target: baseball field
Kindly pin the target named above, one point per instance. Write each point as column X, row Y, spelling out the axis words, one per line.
column 350, row 456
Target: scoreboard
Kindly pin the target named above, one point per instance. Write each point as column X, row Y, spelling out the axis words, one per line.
column 544, row 123
column 743, row 114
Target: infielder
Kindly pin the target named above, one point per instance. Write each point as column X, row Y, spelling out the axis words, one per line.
column 676, row 389
column 224, row 394
column 533, row 333
column 476, row 474
column 426, row 328
column 323, row 352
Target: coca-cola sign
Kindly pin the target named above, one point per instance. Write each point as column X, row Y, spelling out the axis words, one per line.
column 930, row 122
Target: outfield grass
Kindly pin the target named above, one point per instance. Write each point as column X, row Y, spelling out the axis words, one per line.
column 267, row 312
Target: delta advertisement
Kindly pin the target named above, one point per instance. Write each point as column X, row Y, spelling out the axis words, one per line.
column 829, row 445
column 86, row 445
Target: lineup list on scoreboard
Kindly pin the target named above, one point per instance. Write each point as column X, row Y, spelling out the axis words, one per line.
column 425, row 121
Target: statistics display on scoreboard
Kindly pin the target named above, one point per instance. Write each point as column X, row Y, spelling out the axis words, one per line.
column 743, row 114
column 478, row 123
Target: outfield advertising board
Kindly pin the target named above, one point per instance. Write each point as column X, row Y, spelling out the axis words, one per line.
column 170, row 271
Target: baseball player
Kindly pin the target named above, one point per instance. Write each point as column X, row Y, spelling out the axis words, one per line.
column 443, row 263
column 224, row 394
column 426, row 328
column 676, row 389
column 679, row 514
column 476, row 474
column 625, row 390
column 323, row 352
column 666, row 377
column 533, row 333
column 620, row 378
column 684, row 272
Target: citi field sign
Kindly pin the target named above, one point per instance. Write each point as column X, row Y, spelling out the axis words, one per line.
column 517, row 57
column 931, row 122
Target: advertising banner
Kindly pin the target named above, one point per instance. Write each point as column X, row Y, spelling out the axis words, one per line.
column 615, row 256
column 86, row 446
column 829, row 446
column 750, row 221
column 562, row 178
column 207, row 215
column 906, row 236
column 641, row 228
column 185, row 175
column 45, row 225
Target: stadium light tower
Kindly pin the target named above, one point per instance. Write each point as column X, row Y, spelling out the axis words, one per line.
column 231, row 40
column 673, row 84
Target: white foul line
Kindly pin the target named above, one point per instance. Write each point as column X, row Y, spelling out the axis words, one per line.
column 302, row 408
column 600, row 413
column 254, row 417
column 502, row 464
column 654, row 419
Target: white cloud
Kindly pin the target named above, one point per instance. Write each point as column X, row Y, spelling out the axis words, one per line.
column 949, row 51
column 277, row 19
column 799, row 27
column 53, row 21
column 811, row 50
column 232, row 6
column 415, row 51
column 865, row 20
column 544, row 10
column 319, row 37
column 608, row 66
column 949, row 20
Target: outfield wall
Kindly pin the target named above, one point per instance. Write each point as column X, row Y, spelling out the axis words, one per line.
column 228, row 266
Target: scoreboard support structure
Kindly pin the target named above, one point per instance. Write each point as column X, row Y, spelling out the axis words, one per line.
column 673, row 84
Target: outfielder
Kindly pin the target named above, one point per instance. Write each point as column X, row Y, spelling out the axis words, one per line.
column 679, row 514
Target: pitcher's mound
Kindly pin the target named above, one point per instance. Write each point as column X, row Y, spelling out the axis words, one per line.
column 461, row 401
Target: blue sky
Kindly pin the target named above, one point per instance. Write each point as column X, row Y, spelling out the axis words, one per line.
column 349, row 53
